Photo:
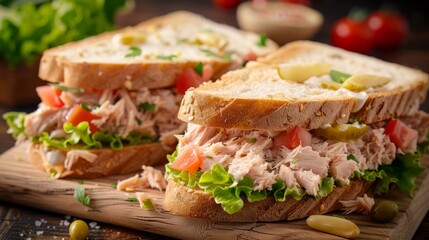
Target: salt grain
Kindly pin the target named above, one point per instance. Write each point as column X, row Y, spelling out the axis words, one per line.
column 66, row 223
column 21, row 234
column 68, row 217
column 37, row 223
column 92, row 224
column 97, row 227
column 39, row 233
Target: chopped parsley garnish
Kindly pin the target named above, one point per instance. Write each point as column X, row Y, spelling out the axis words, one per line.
column 338, row 77
column 147, row 106
column 81, row 181
column 135, row 51
column 166, row 57
column 251, row 140
column 199, row 68
column 84, row 106
column 209, row 53
column 114, row 185
column 79, row 195
column 338, row 216
column 132, row 199
column 262, row 40
column 66, row 89
column 138, row 120
column 294, row 161
column 147, row 204
column 351, row 157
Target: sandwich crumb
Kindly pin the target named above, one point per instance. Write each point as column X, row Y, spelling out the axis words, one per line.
column 322, row 208
column 301, row 107
column 343, row 115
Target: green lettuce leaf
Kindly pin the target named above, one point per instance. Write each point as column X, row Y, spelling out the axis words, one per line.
column 15, row 121
column 326, row 187
column 281, row 191
column 38, row 25
column 403, row 171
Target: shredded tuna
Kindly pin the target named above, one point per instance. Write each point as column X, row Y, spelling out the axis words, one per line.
column 376, row 148
column 307, row 159
column 150, row 178
column 359, row 205
column 45, row 119
column 119, row 111
column 308, row 180
column 73, row 155
column 287, row 175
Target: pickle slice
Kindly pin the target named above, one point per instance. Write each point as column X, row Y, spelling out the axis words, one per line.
column 360, row 82
column 301, row 72
column 342, row 132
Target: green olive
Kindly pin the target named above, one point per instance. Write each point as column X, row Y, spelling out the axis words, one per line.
column 384, row 211
column 78, row 230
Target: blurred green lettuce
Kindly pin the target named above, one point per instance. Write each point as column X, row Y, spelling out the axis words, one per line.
column 27, row 28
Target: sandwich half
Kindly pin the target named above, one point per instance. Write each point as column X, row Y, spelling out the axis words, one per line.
column 295, row 133
column 112, row 100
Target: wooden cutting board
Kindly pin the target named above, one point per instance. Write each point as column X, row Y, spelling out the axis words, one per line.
column 21, row 183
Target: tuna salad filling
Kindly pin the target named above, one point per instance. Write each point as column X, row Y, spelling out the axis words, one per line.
column 75, row 119
column 233, row 164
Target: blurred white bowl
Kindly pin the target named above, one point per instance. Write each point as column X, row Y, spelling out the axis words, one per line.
column 281, row 22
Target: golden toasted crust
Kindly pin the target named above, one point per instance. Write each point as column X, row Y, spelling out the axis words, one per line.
column 209, row 105
column 195, row 203
column 134, row 75
column 108, row 162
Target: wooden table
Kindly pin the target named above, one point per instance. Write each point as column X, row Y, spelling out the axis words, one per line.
column 17, row 222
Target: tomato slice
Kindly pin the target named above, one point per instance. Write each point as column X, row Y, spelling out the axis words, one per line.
column 190, row 78
column 79, row 114
column 189, row 159
column 50, row 96
column 293, row 138
column 401, row 135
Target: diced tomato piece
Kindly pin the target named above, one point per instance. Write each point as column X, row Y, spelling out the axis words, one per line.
column 190, row 78
column 401, row 135
column 189, row 159
column 250, row 56
column 293, row 138
column 79, row 114
column 50, row 96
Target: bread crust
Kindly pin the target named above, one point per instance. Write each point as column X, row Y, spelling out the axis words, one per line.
column 108, row 162
column 132, row 75
column 198, row 204
column 208, row 106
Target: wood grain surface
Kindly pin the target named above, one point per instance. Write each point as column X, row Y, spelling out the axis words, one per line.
column 21, row 183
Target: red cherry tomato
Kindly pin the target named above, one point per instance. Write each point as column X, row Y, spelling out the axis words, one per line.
column 352, row 35
column 50, row 96
column 293, row 138
column 190, row 78
column 389, row 28
column 226, row 4
column 79, row 114
column 401, row 135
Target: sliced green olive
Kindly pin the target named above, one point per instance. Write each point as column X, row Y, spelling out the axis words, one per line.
column 360, row 82
column 301, row 72
column 330, row 85
column 342, row 132
column 334, row 225
column 78, row 230
column 384, row 211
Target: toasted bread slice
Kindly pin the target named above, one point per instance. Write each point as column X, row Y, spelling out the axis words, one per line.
column 107, row 162
column 196, row 203
column 256, row 97
column 168, row 45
